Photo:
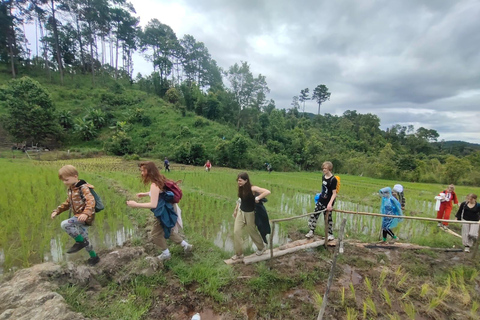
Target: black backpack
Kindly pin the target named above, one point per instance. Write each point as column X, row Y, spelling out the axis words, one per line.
column 98, row 201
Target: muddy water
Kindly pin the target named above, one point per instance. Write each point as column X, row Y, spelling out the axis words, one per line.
column 101, row 240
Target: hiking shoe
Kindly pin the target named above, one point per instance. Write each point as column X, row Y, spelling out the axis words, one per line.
column 164, row 256
column 237, row 257
column 93, row 260
column 309, row 234
column 78, row 246
column 260, row 252
column 188, row 248
column 330, row 237
column 467, row 249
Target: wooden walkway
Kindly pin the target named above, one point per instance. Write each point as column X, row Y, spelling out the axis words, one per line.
column 283, row 250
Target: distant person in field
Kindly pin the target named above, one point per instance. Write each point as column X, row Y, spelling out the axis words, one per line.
column 268, row 167
column 326, row 201
column 392, row 207
column 447, row 198
column 469, row 211
column 82, row 203
column 397, row 192
column 208, row 166
column 160, row 200
column 166, row 164
column 244, row 215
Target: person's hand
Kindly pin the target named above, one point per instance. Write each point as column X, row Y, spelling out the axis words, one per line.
column 141, row 195
column 234, row 214
column 131, row 203
column 257, row 200
column 53, row 215
column 329, row 207
column 83, row 217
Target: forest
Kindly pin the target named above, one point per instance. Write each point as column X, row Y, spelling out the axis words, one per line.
column 78, row 91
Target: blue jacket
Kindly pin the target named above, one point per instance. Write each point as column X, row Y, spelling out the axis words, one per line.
column 165, row 213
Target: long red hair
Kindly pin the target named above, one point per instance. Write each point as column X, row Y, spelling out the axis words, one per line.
column 153, row 175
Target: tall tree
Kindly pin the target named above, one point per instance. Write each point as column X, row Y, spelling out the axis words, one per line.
column 304, row 97
column 320, row 94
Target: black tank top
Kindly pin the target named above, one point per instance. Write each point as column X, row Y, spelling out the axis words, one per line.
column 248, row 203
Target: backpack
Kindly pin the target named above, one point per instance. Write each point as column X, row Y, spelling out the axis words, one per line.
column 177, row 192
column 338, row 183
column 98, row 201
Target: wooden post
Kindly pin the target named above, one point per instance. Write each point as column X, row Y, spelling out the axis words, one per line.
column 332, row 271
column 325, row 216
column 271, row 240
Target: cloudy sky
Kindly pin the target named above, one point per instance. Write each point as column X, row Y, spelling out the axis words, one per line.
column 410, row 62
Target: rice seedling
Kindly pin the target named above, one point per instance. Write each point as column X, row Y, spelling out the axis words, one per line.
column 318, row 298
column 368, row 284
column 410, row 310
column 386, row 297
column 394, row 316
column 352, row 314
column 352, row 290
column 342, row 292
column 424, row 290
column 406, row 294
column 402, row 280
column 474, row 310
column 365, row 309
column 383, row 276
column 371, row 305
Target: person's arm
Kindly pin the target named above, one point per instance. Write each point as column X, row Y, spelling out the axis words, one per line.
column 262, row 193
column 89, row 203
column 61, row 208
column 454, row 196
column 458, row 215
column 154, row 194
column 330, row 203
column 235, row 211
column 143, row 194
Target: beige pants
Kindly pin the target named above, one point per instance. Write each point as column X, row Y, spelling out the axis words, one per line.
column 469, row 232
column 158, row 236
column 247, row 220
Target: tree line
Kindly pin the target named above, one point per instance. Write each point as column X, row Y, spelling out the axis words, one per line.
column 99, row 37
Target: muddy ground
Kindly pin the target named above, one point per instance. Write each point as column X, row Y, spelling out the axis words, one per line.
column 373, row 282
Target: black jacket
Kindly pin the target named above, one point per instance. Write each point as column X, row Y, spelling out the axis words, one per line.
column 261, row 220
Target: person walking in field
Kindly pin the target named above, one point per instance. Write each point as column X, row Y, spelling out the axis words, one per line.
column 161, row 205
column 244, row 215
column 166, row 164
column 469, row 211
column 208, row 166
column 390, row 206
column 446, row 197
column 82, row 203
column 325, row 202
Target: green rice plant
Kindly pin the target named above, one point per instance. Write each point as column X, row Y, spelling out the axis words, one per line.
column 318, row 298
column 399, row 271
column 352, row 314
column 410, row 310
column 474, row 274
column 368, row 284
column 406, row 294
column 352, row 290
column 343, row 296
column 365, row 309
column 433, row 304
column 424, row 290
column 383, row 276
column 394, row 316
column 402, row 280
column 386, row 297
column 474, row 310
column 371, row 306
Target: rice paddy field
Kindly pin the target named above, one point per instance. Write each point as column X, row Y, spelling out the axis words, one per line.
column 30, row 190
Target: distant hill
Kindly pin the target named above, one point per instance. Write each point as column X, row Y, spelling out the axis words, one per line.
column 457, row 148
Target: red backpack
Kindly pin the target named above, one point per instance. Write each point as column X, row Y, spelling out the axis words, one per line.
column 177, row 192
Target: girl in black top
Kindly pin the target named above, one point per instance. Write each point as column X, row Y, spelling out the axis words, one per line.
column 469, row 211
column 244, row 215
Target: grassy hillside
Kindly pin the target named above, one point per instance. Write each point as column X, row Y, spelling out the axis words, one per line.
column 136, row 122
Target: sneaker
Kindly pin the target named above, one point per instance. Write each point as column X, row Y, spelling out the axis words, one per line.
column 93, row 260
column 439, row 225
column 237, row 257
column 260, row 252
column 78, row 246
column 164, row 256
column 467, row 249
column 188, row 248
column 309, row 234
column 330, row 237
column 444, row 227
